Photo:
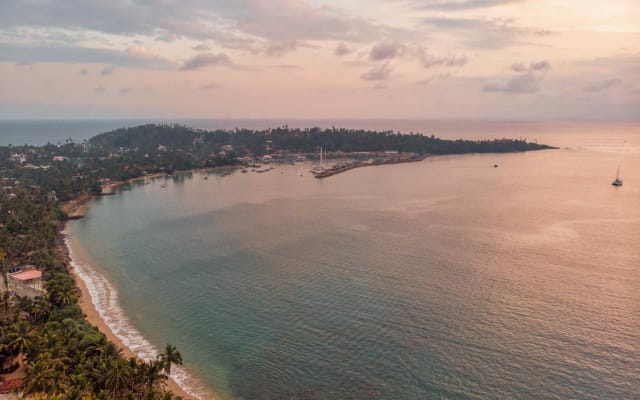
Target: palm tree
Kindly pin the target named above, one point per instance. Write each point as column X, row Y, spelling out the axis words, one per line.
column 5, row 301
column 118, row 377
column 149, row 376
column 170, row 356
column 96, row 348
column 20, row 339
column 61, row 290
column 44, row 377
column 38, row 310
column 111, row 350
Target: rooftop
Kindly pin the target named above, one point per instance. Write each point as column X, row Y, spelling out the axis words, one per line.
column 27, row 275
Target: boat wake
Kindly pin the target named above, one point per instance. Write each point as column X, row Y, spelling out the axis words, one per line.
column 105, row 300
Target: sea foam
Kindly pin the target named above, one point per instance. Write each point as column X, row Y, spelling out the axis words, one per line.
column 105, row 300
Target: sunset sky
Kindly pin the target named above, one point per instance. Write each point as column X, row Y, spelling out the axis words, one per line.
column 498, row 59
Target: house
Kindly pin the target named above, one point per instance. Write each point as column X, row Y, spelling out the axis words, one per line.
column 19, row 158
column 26, row 281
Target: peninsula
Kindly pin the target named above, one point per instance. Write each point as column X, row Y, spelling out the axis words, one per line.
column 47, row 346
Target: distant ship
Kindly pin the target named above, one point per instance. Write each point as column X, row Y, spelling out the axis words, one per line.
column 618, row 181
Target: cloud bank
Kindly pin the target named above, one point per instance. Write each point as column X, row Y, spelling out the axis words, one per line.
column 527, row 79
column 208, row 60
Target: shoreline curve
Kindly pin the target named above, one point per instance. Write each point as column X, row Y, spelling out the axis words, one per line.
column 99, row 302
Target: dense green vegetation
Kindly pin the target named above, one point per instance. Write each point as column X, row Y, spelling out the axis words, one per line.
column 66, row 357
column 362, row 140
column 300, row 140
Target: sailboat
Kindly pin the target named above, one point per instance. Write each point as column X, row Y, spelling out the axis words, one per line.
column 319, row 168
column 618, row 181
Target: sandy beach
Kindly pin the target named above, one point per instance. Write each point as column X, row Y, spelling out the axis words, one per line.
column 76, row 209
column 110, row 188
column 94, row 318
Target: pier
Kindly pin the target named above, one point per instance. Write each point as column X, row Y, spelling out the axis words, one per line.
column 337, row 170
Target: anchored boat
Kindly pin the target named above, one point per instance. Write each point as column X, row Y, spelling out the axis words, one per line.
column 618, row 181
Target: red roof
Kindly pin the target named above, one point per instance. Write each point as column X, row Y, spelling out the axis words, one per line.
column 28, row 274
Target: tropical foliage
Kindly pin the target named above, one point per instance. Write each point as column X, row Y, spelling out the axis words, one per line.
column 65, row 356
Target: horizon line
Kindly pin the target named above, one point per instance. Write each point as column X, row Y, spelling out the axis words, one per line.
column 164, row 119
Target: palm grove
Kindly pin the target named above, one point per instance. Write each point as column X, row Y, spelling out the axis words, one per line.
column 66, row 357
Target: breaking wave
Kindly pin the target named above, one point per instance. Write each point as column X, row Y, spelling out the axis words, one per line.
column 104, row 298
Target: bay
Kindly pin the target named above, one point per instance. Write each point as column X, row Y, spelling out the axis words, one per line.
column 447, row 278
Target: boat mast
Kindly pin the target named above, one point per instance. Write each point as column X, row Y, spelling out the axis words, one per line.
column 618, row 173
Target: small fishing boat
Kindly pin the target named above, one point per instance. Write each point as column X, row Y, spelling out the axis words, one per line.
column 618, row 181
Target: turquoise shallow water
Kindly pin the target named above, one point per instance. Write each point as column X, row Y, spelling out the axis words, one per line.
column 442, row 279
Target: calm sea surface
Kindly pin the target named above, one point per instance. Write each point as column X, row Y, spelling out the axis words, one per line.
column 444, row 279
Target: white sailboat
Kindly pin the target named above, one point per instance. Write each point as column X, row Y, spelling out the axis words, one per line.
column 321, row 167
column 618, row 181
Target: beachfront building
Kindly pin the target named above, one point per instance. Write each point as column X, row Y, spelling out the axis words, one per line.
column 26, row 281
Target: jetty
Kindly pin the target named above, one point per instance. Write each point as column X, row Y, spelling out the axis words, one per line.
column 339, row 168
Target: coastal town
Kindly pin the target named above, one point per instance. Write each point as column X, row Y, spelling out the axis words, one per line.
column 96, row 166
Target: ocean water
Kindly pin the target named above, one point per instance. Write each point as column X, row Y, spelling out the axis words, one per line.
column 444, row 279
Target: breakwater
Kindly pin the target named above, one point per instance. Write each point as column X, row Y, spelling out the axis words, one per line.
column 345, row 168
